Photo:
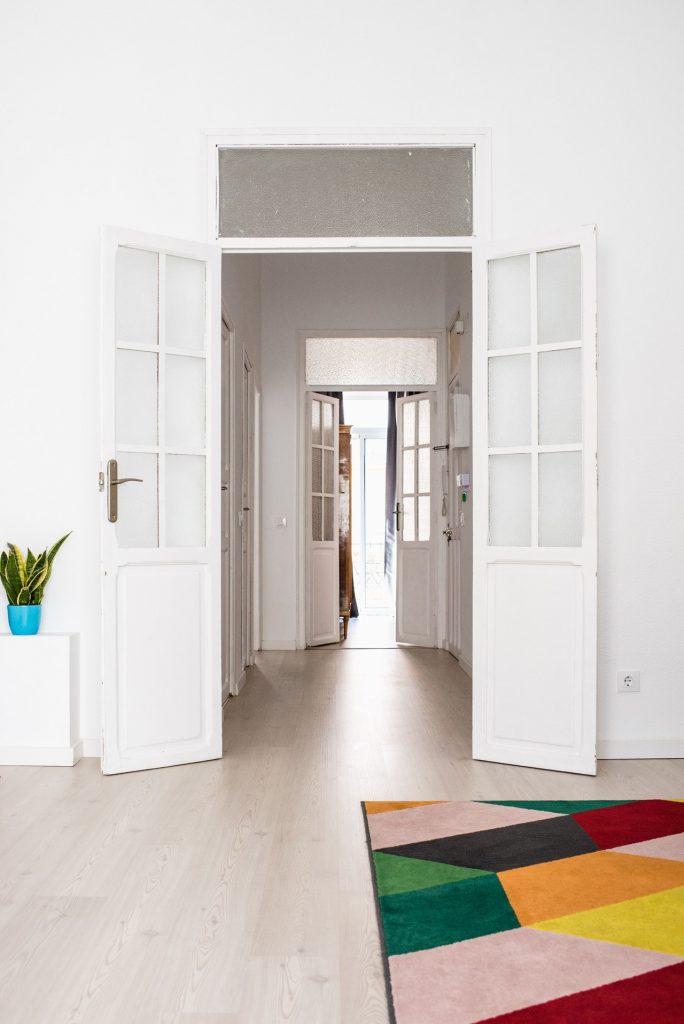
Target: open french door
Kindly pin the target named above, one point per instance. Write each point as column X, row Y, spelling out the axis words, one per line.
column 535, row 507
column 161, row 514
column 415, row 527
column 322, row 525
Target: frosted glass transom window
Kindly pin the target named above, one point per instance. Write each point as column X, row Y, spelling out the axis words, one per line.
column 407, row 362
column 345, row 191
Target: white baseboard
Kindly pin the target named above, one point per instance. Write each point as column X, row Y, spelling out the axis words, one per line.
column 92, row 747
column 625, row 750
column 44, row 757
column 465, row 665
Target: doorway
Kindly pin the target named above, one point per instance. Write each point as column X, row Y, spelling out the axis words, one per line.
column 372, row 624
column 392, row 400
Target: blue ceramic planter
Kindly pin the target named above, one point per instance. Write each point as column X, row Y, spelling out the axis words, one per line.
column 24, row 619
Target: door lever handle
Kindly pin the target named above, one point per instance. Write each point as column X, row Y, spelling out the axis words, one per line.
column 113, row 481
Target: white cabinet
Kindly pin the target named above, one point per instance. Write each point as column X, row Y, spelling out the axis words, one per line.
column 39, row 714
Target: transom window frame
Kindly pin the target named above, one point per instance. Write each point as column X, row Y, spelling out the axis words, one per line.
column 477, row 139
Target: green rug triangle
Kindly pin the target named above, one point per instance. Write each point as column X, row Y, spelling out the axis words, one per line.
column 558, row 806
column 395, row 874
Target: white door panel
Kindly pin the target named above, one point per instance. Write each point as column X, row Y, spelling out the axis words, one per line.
column 535, row 504
column 161, row 549
column 322, row 522
column 415, row 522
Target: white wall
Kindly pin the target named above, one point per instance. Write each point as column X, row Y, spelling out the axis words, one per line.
column 103, row 114
column 458, row 298
column 328, row 293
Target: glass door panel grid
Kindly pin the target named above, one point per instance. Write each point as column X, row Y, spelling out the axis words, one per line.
column 415, row 471
column 161, row 406
column 324, row 472
column 535, row 444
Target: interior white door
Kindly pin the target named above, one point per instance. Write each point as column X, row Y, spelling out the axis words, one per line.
column 416, row 619
column 227, row 341
column 322, row 527
column 161, row 515
column 535, row 510
column 247, row 516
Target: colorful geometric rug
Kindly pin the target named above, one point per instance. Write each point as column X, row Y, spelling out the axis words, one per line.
column 530, row 912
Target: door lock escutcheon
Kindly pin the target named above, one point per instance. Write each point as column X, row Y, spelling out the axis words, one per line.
column 114, row 481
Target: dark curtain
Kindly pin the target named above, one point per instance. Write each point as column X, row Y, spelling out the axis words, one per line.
column 354, row 613
column 391, row 484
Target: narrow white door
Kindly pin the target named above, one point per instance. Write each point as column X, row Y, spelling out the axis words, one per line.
column 322, row 529
column 226, row 650
column 535, row 511
column 161, row 510
column 247, row 515
column 416, row 620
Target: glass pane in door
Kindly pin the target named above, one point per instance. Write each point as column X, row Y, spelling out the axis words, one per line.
column 185, row 302
column 185, row 402
column 408, row 507
column 315, row 421
column 560, row 499
column 559, row 295
column 137, row 289
column 185, row 501
column 317, row 470
column 510, row 500
column 136, row 397
column 560, row 396
column 509, row 401
column 138, row 523
column 509, row 302
column 408, row 471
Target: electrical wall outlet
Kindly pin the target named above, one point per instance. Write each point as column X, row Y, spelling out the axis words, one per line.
column 629, row 682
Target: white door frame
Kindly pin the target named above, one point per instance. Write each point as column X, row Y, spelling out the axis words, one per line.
column 441, row 431
column 480, row 139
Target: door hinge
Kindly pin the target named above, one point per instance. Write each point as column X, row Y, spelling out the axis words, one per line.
column 100, row 481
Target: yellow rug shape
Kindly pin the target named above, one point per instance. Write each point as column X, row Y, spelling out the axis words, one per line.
column 650, row 922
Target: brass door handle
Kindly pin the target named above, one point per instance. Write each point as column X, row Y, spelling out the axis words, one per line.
column 113, row 481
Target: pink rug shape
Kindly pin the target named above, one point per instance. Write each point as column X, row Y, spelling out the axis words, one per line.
column 417, row 824
column 480, row 978
column 666, row 848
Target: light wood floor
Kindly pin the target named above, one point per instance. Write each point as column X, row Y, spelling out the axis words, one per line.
column 238, row 891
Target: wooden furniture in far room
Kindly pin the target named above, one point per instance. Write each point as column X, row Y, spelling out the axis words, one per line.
column 345, row 526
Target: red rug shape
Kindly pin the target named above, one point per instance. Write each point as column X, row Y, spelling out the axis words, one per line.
column 653, row 998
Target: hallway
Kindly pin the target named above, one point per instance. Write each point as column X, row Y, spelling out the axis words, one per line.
column 238, row 891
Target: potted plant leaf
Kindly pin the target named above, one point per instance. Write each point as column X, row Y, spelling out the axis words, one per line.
column 24, row 579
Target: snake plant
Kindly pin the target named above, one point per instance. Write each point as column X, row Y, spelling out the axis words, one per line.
column 25, row 577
